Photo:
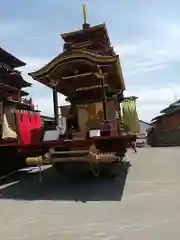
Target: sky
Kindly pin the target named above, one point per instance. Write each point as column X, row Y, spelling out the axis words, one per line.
column 145, row 34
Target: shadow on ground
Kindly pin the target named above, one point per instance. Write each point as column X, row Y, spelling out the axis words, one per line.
column 75, row 187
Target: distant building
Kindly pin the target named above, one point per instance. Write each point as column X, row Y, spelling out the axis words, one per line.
column 18, row 118
column 144, row 126
column 142, row 136
column 48, row 122
column 166, row 131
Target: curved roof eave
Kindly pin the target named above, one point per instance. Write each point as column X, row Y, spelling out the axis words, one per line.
column 90, row 29
column 8, row 58
column 74, row 55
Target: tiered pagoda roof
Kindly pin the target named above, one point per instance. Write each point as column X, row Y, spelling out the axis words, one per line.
column 87, row 56
column 11, row 81
column 94, row 39
column 9, row 59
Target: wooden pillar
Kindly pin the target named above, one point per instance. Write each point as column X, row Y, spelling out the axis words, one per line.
column 19, row 95
column 118, row 104
column 104, row 98
column 55, row 103
column 101, row 75
column 1, row 119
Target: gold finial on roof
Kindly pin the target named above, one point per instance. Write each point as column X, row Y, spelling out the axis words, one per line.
column 84, row 13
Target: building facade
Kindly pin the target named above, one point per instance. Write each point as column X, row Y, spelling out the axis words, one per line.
column 166, row 130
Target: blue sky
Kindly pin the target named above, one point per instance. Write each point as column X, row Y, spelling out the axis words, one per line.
column 146, row 35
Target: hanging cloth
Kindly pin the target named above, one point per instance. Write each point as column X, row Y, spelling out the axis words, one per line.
column 130, row 116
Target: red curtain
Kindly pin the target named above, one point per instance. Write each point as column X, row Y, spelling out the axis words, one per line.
column 35, row 128
column 29, row 127
column 23, row 127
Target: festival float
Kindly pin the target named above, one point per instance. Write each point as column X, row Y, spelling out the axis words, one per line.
column 98, row 124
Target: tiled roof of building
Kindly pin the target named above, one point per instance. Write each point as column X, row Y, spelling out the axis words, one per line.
column 172, row 108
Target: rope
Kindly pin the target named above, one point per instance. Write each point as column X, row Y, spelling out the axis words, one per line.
column 93, row 160
column 133, row 145
column 40, row 166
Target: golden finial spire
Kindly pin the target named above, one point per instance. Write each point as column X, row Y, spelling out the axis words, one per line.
column 84, row 13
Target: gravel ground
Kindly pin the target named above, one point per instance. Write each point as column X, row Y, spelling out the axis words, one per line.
column 143, row 202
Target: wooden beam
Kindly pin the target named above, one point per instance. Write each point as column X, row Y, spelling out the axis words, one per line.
column 2, row 85
column 89, row 88
column 77, row 76
column 130, row 98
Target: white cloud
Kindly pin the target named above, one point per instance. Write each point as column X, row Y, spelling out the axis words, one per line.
column 138, row 59
column 148, row 56
column 148, row 67
column 153, row 55
column 8, row 28
column 127, row 49
column 33, row 64
column 150, row 101
column 12, row 29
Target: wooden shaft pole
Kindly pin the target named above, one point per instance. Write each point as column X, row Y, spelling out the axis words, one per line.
column 55, row 103
column 104, row 98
